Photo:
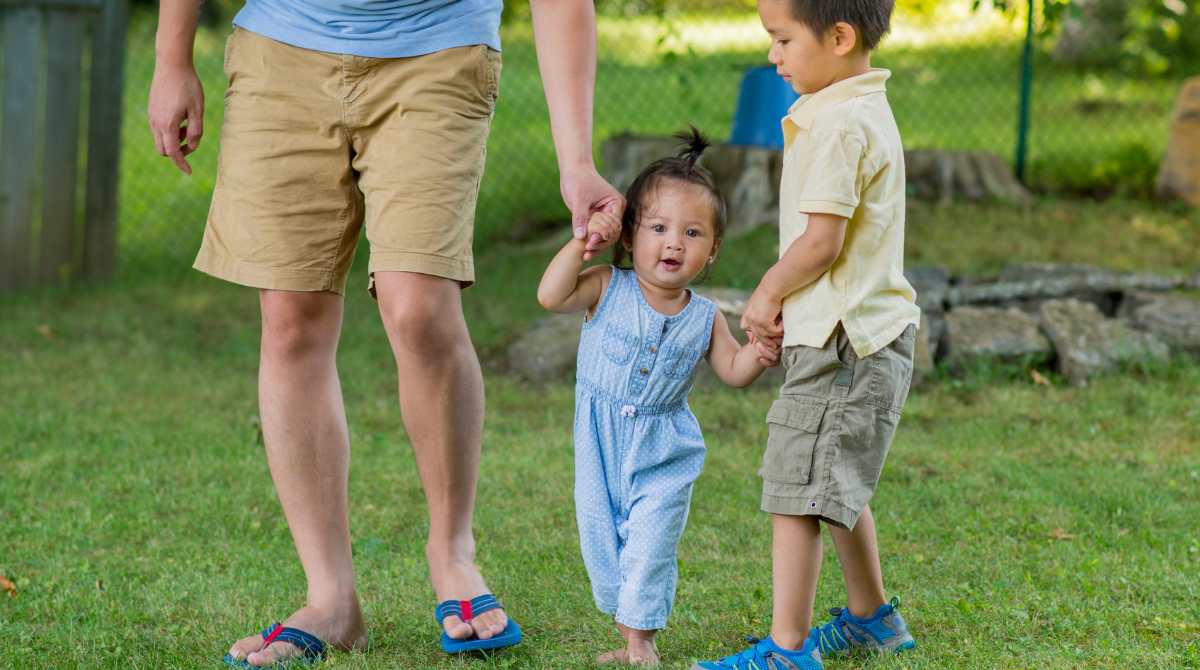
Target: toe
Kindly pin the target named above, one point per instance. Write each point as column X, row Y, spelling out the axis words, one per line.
column 457, row 628
column 614, row 656
column 273, row 654
column 489, row 624
column 245, row 646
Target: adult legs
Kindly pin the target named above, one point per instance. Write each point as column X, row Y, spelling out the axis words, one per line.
column 441, row 402
column 308, row 452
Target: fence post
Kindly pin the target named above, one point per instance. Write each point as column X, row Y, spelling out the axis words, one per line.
column 104, row 140
column 23, row 48
column 1026, row 89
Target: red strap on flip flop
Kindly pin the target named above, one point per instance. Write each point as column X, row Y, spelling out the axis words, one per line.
column 465, row 606
column 271, row 637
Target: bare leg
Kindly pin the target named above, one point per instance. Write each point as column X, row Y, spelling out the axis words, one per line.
column 858, row 552
column 441, row 400
column 796, row 564
column 308, row 451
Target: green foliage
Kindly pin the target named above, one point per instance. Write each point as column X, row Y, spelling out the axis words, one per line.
column 1156, row 37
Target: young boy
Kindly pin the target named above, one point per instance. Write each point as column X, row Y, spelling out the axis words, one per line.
column 847, row 318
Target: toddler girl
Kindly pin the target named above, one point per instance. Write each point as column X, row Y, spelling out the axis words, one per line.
column 638, row 447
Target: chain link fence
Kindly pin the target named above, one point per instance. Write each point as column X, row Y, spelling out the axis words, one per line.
column 956, row 76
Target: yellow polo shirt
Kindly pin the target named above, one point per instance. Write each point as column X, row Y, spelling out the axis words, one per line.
column 842, row 156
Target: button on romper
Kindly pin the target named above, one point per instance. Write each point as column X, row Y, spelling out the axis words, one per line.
column 638, row 447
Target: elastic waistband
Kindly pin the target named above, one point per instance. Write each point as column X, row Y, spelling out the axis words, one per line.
column 624, row 404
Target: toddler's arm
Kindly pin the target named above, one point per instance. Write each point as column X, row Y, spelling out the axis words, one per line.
column 806, row 259
column 737, row 364
column 564, row 288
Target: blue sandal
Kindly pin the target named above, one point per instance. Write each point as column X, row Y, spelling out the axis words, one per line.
column 313, row 650
column 467, row 610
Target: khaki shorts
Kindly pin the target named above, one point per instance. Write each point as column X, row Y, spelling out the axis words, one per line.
column 316, row 144
column 830, row 430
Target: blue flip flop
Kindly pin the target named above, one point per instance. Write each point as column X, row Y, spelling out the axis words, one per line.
column 313, row 650
column 467, row 610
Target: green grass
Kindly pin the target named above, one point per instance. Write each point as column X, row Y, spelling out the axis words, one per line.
column 952, row 87
column 1024, row 526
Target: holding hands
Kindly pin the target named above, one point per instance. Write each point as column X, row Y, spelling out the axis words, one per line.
column 763, row 323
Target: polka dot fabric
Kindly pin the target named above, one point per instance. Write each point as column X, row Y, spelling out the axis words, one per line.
column 638, row 447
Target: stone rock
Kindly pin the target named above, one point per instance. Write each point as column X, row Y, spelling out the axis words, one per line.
column 944, row 176
column 1006, row 335
column 1038, row 283
column 1179, row 173
column 923, row 353
column 1172, row 318
column 932, row 285
column 547, row 351
column 1087, row 343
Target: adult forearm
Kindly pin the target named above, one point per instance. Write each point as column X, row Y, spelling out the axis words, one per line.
column 176, row 32
column 565, row 36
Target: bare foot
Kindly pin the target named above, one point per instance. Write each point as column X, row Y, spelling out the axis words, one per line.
column 459, row 579
column 640, row 650
column 642, row 653
column 611, row 657
column 339, row 627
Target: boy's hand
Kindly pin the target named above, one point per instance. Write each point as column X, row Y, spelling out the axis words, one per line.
column 603, row 229
column 763, row 318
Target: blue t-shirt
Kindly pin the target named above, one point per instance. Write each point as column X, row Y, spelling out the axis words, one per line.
column 375, row 28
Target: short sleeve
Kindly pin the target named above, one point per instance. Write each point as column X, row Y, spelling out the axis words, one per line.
column 831, row 186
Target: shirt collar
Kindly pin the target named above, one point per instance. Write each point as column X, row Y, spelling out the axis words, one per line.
column 804, row 110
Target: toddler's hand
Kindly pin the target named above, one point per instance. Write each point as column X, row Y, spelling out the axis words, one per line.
column 768, row 351
column 603, row 229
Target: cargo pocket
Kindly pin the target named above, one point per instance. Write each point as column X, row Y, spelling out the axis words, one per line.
column 792, row 425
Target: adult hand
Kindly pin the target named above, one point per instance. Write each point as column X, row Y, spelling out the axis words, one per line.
column 176, row 113
column 585, row 192
column 763, row 318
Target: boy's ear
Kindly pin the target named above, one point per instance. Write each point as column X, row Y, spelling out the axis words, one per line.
column 844, row 38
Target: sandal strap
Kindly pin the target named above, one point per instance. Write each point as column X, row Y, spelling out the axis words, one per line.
column 466, row 609
column 310, row 645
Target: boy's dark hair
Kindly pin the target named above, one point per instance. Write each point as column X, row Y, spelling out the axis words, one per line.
column 871, row 18
column 681, row 167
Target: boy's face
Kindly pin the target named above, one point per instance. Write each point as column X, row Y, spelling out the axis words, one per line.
column 809, row 63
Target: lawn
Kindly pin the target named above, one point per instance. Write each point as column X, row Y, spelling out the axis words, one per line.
column 1023, row 525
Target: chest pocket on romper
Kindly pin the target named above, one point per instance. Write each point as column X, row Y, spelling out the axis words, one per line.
column 680, row 361
column 619, row 345
column 793, row 426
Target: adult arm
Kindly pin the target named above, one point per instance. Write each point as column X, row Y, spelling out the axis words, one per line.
column 565, row 37
column 176, row 95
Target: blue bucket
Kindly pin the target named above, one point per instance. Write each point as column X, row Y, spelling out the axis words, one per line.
column 762, row 103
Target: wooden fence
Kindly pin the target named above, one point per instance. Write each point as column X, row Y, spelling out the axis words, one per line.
column 60, row 128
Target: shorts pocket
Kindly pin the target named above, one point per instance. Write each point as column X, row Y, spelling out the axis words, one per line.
column 890, row 372
column 793, row 425
column 680, row 362
column 618, row 345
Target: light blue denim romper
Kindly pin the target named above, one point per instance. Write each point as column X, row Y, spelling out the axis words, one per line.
column 638, row 447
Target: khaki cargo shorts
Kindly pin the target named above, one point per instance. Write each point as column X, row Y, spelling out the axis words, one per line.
column 830, row 430
column 314, row 145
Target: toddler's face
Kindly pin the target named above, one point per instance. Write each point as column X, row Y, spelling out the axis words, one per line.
column 675, row 237
column 807, row 62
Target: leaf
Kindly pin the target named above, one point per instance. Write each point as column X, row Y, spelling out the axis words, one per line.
column 8, row 586
column 1038, row 378
column 1060, row 534
column 45, row 331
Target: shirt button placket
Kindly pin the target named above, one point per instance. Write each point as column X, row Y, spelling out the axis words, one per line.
column 647, row 354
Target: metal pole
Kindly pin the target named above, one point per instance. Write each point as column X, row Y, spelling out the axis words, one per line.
column 1026, row 87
